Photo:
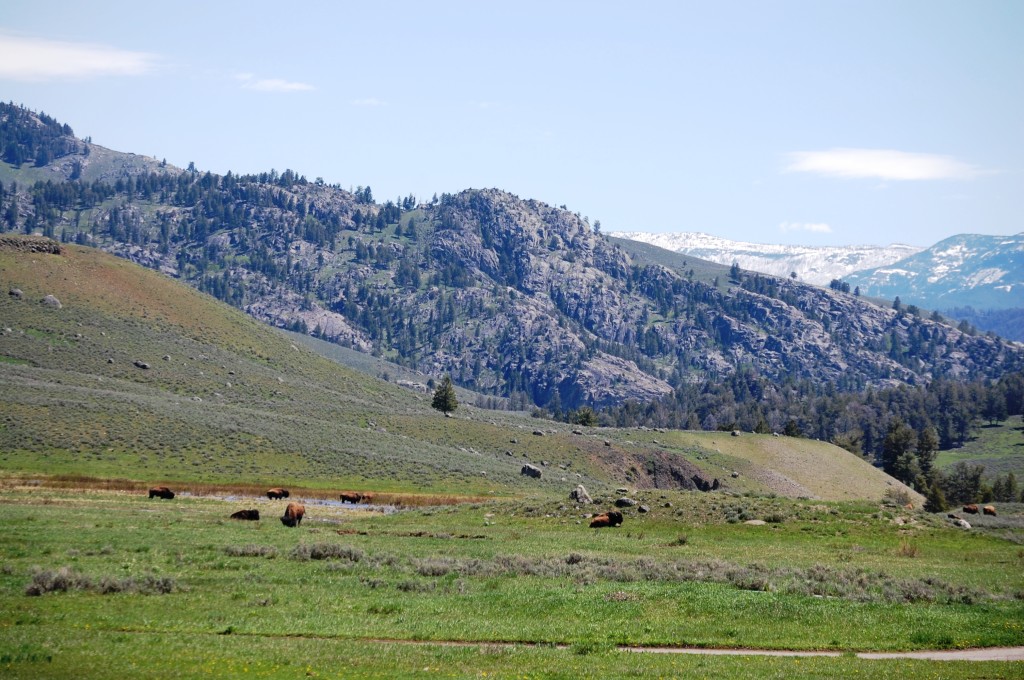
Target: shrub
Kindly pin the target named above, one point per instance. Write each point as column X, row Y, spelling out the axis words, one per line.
column 250, row 551
column 326, row 551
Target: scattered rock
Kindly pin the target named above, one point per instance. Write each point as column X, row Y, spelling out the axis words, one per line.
column 607, row 443
column 508, row 453
column 644, row 508
column 624, row 502
column 580, row 495
column 755, row 522
column 735, row 433
column 538, row 433
column 141, row 364
column 167, row 357
column 734, row 474
column 513, row 441
column 51, row 301
column 577, row 431
column 962, row 523
column 668, row 504
column 16, row 293
column 110, row 360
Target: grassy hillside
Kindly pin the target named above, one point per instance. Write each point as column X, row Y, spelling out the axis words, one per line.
column 1000, row 448
column 226, row 400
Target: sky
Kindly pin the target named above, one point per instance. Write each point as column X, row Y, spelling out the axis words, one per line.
column 818, row 123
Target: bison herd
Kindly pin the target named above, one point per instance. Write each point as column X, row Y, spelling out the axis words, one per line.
column 293, row 514
column 972, row 509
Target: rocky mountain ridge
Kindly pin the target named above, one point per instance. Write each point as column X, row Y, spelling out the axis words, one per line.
column 514, row 298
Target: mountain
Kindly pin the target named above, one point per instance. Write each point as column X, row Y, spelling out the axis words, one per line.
column 968, row 270
column 515, row 299
column 812, row 264
column 109, row 370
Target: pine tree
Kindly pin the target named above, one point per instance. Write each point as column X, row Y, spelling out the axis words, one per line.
column 444, row 396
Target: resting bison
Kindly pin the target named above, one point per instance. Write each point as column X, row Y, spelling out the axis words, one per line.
column 293, row 515
column 276, row 493
column 531, row 471
column 351, row 497
column 612, row 518
column 253, row 515
column 161, row 492
column 989, row 510
column 971, row 509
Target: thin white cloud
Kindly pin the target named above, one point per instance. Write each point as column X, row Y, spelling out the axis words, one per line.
column 38, row 59
column 251, row 82
column 369, row 102
column 816, row 227
column 883, row 164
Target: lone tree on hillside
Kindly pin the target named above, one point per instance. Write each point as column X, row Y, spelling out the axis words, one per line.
column 444, row 396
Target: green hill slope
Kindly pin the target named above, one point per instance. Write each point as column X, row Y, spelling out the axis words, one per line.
column 140, row 377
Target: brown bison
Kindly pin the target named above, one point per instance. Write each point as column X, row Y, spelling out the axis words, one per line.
column 612, row 518
column 277, row 493
column 351, row 497
column 367, row 497
column 989, row 510
column 971, row 509
column 252, row 515
column 293, row 515
column 161, row 492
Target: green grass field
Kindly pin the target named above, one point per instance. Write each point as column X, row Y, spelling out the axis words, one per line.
column 156, row 587
column 1000, row 448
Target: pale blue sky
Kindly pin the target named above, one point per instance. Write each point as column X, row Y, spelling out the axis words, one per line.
column 819, row 122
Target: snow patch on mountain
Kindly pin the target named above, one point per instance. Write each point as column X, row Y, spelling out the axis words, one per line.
column 812, row 264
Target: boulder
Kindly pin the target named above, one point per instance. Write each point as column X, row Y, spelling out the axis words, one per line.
column 51, row 301
column 141, row 364
column 624, row 502
column 16, row 293
column 580, row 495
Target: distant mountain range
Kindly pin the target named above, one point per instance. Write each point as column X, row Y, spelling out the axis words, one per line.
column 813, row 264
column 968, row 270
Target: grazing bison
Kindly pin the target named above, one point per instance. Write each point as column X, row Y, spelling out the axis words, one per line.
column 161, row 492
column 293, row 515
column 367, row 497
column 351, row 497
column 252, row 515
column 612, row 518
column 971, row 509
column 989, row 510
column 277, row 493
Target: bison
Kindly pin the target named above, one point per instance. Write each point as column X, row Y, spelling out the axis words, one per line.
column 531, row 471
column 161, row 492
column 292, row 516
column 252, row 515
column 989, row 510
column 277, row 493
column 612, row 518
column 351, row 497
column 367, row 497
column 971, row 509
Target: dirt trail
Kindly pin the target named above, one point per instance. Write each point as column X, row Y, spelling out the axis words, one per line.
column 981, row 654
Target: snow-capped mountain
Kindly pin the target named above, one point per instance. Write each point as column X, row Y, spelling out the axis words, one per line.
column 812, row 264
column 984, row 272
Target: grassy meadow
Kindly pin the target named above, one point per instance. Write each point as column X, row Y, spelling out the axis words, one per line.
column 106, row 582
